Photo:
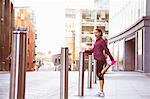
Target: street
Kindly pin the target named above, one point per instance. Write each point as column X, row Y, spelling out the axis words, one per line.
column 46, row 85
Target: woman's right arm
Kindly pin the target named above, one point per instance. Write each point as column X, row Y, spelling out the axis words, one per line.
column 89, row 51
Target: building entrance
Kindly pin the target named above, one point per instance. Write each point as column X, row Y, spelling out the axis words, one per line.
column 130, row 55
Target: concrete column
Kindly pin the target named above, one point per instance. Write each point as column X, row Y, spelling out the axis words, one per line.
column 136, row 52
column 146, row 48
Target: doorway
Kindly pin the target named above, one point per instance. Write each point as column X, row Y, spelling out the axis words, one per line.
column 130, row 55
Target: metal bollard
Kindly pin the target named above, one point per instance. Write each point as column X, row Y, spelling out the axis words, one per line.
column 90, row 72
column 18, row 67
column 81, row 75
column 64, row 74
column 94, row 72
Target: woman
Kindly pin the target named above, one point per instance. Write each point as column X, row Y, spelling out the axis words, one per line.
column 99, row 48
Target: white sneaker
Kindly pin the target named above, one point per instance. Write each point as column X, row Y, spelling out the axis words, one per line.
column 101, row 94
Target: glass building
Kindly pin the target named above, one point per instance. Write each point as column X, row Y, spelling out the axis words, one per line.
column 129, row 32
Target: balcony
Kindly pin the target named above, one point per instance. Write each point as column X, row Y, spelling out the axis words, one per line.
column 91, row 22
column 87, row 22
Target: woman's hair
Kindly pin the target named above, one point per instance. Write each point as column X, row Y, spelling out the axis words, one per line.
column 100, row 31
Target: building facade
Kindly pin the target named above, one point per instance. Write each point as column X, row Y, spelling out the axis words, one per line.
column 6, row 27
column 79, row 27
column 129, row 34
column 70, row 29
column 24, row 18
column 92, row 19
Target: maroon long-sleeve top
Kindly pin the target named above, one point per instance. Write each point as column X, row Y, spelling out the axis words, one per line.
column 99, row 48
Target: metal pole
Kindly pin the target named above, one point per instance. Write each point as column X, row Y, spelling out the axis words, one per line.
column 64, row 74
column 90, row 72
column 18, row 67
column 81, row 75
column 94, row 72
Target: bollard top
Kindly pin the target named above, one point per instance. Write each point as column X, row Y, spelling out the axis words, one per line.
column 81, row 52
column 20, row 32
column 64, row 47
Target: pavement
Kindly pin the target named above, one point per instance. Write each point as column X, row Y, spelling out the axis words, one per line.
column 46, row 85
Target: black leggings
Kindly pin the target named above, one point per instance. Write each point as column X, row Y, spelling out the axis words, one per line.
column 99, row 66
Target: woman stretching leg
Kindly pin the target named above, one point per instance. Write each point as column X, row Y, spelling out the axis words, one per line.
column 99, row 47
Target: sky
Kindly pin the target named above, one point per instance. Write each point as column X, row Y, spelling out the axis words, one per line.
column 50, row 26
column 50, row 21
